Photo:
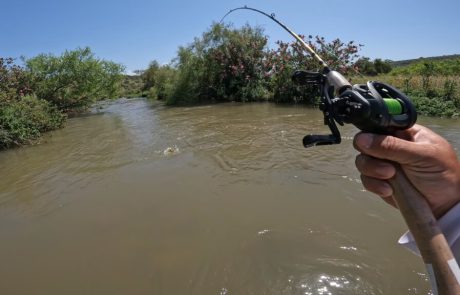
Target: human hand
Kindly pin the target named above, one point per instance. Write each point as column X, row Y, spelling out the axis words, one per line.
column 427, row 159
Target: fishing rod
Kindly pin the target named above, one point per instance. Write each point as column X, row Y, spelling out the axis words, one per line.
column 377, row 107
column 297, row 37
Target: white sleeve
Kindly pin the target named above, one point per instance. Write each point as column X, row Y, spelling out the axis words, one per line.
column 449, row 225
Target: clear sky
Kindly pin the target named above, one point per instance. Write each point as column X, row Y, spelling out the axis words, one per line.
column 134, row 32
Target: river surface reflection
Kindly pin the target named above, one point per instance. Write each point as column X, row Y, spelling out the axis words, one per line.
column 137, row 198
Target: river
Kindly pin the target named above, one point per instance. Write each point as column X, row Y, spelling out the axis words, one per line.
column 138, row 198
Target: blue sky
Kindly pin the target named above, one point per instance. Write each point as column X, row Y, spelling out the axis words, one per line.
column 135, row 32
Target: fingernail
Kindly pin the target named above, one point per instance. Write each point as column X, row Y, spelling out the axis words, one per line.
column 364, row 140
column 386, row 171
column 387, row 190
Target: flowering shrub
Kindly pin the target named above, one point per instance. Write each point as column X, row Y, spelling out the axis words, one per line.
column 223, row 65
column 14, row 81
column 289, row 57
column 26, row 119
column 228, row 64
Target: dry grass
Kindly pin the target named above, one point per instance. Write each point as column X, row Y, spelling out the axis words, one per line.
column 439, row 85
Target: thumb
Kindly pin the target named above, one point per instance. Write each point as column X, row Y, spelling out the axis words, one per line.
column 389, row 147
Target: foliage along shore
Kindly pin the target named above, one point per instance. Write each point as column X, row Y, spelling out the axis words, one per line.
column 37, row 97
column 224, row 64
column 227, row 64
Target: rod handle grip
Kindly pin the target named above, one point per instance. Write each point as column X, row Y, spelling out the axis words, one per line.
column 431, row 242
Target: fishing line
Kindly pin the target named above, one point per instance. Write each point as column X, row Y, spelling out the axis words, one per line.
column 293, row 34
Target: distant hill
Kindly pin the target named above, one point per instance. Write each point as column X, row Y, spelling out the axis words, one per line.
column 401, row 63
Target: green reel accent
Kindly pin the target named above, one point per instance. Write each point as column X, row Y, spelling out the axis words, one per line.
column 394, row 106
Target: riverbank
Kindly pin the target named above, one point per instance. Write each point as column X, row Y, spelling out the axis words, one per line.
column 227, row 64
column 37, row 96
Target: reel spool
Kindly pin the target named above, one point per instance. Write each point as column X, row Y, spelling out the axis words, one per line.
column 375, row 107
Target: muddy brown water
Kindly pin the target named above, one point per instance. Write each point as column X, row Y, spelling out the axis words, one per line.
column 137, row 198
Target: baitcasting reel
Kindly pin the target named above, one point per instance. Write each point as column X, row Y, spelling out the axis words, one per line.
column 372, row 107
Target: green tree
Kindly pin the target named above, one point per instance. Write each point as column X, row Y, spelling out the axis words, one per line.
column 186, row 88
column 23, row 117
column 236, row 63
column 225, row 64
column 164, row 79
column 365, row 66
column 382, row 67
column 149, row 75
column 75, row 79
column 427, row 70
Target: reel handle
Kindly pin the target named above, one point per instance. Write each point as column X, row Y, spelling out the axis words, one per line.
column 312, row 140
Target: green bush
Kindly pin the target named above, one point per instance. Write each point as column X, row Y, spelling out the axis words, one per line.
column 163, row 79
column 131, row 86
column 75, row 79
column 448, row 67
column 187, row 84
column 152, row 93
column 449, row 90
column 24, row 120
column 439, row 87
column 225, row 64
column 33, row 99
column 365, row 66
column 149, row 75
column 435, row 107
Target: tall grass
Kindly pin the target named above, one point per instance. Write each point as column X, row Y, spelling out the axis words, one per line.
column 433, row 96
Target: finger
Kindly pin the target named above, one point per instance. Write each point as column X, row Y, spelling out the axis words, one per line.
column 377, row 186
column 409, row 134
column 391, row 148
column 373, row 167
